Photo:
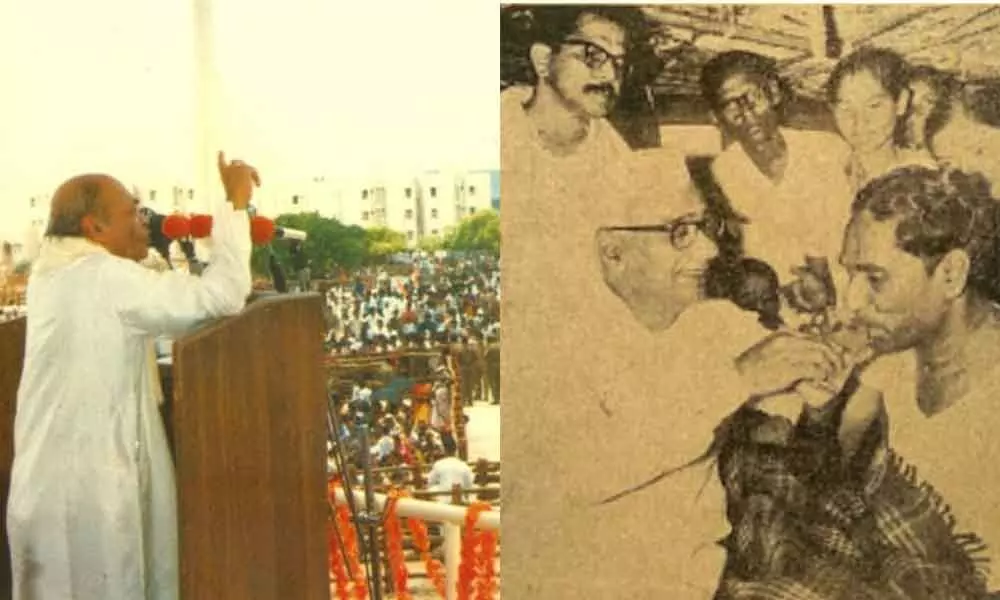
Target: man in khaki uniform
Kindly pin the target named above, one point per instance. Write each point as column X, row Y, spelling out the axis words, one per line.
column 493, row 368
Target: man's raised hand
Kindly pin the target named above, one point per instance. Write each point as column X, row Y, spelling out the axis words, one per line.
column 239, row 180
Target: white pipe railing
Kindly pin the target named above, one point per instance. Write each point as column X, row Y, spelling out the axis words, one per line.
column 427, row 510
column 453, row 517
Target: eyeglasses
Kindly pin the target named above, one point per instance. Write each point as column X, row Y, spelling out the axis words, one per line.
column 682, row 232
column 595, row 57
column 752, row 99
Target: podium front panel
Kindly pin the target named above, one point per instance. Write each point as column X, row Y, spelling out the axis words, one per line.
column 12, row 336
column 249, row 434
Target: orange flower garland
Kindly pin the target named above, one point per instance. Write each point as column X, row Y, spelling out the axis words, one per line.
column 488, row 583
column 349, row 536
column 337, row 561
column 394, row 547
column 476, row 573
column 435, row 570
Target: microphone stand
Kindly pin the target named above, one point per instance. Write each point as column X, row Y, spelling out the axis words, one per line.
column 370, row 517
column 368, row 520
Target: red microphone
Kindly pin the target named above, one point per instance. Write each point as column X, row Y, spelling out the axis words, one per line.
column 175, row 227
column 262, row 230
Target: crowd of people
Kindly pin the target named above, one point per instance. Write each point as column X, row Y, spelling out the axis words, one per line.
column 440, row 302
column 443, row 313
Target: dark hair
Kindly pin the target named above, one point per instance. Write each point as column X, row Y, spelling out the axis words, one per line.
column 67, row 220
column 981, row 103
column 721, row 67
column 889, row 69
column 939, row 211
column 552, row 24
column 946, row 88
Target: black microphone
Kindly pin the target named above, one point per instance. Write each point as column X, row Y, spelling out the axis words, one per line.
column 157, row 239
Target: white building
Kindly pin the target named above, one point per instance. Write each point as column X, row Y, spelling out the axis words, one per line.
column 429, row 204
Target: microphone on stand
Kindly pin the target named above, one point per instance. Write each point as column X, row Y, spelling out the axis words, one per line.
column 165, row 229
column 262, row 230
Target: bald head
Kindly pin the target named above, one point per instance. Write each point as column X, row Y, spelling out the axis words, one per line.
column 99, row 208
column 77, row 198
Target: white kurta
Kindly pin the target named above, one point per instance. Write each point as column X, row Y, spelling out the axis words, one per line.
column 92, row 510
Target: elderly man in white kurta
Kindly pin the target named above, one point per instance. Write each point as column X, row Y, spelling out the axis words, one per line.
column 92, row 510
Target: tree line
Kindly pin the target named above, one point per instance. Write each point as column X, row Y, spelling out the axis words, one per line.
column 331, row 246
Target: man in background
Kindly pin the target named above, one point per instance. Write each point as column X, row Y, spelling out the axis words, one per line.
column 448, row 472
column 791, row 187
column 92, row 510
column 493, row 366
column 578, row 59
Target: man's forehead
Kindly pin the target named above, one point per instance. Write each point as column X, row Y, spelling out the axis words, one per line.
column 663, row 207
column 658, row 189
column 870, row 241
column 602, row 30
column 738, row 82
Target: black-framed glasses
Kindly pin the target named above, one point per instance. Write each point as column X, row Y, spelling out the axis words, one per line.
column 595, row 56
column 750, row 100
column 682, row 232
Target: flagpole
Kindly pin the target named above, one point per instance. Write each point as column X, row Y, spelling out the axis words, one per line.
column 206, row 124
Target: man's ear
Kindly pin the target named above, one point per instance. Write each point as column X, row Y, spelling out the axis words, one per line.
column 953, row 273
column 90, row 226
column 609, row 248
column 775, row 91
column 541, row 59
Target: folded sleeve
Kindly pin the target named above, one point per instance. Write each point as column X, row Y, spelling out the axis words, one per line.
column 172, row 302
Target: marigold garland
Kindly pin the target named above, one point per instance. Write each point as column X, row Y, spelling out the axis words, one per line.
column 476, row 573
column 349, row 536
column 394, row 548
column 337, row 562
column 338, row 565
column 435, row 570
column 488, row 582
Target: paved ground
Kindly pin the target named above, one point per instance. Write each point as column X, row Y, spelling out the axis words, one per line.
column 483, row 431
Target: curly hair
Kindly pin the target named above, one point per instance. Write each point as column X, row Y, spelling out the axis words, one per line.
column 938, row 211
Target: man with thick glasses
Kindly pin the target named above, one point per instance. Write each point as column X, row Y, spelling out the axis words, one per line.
column 578, row 59
column 790, row 185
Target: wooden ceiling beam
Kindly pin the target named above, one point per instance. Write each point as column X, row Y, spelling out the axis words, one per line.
column 685, row 19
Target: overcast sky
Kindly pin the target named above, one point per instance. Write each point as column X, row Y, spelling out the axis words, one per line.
column 307, row 87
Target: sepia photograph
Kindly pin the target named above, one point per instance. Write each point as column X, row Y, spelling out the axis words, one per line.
column 751, row 301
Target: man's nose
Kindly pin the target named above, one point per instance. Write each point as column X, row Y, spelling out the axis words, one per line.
column 606, row 73
column 857, row 297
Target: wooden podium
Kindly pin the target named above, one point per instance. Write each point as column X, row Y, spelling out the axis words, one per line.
column 248, row 429
column 11, row 362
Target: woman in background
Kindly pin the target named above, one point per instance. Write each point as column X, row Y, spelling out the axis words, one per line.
column 870, row 97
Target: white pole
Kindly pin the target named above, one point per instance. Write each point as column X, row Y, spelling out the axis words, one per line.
column 429, row 511
column 206, row 121
column 452, row 558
